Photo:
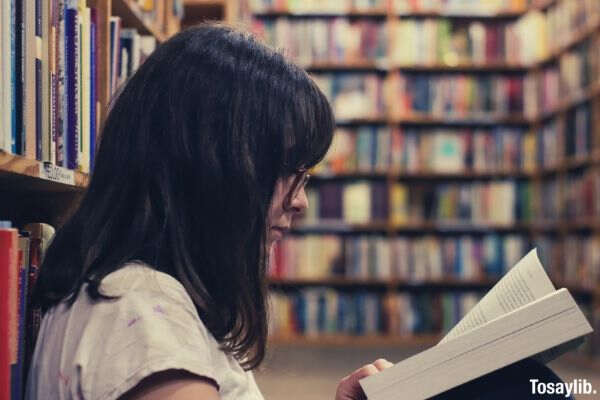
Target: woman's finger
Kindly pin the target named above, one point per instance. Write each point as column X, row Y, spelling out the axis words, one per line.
column 382, row 364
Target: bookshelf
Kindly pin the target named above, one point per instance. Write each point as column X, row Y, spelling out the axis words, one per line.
column 540, row 226
column 36, row 190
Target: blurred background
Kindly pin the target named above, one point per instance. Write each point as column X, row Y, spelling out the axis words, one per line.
column 468, row 133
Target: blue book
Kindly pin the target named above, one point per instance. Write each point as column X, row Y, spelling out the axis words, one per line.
column 71, row 86
column 93, row 94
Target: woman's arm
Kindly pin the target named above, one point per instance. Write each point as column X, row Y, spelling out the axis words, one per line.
column 173, row 384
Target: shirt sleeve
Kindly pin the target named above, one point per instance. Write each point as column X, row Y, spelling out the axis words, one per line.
column 141, row 333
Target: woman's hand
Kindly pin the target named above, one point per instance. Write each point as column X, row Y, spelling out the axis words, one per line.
column 349, row 388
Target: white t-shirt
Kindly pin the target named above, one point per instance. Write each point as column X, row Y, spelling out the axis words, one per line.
column 100, row 350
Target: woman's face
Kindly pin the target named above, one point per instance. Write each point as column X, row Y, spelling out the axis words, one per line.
column 281, row 214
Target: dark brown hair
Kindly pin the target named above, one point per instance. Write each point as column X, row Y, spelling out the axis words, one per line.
column 190, row 154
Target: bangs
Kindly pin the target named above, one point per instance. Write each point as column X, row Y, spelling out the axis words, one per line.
column 308, row 130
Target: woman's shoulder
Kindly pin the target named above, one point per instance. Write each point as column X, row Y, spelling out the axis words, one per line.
column 137, row 278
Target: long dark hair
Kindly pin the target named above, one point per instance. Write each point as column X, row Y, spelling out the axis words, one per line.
column 189, row 157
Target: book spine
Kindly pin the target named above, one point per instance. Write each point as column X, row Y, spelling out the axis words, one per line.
column 33, row 316
column 93, row 83
column 29, row 79
column 72, row 85
column 61, row 99
column 53, row 61
column 23, row 296
column 39, row 141
column 8, row 310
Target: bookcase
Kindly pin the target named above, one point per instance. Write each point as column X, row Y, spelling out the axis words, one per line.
column 36, row 189
column 62, row 60
column 467, row 127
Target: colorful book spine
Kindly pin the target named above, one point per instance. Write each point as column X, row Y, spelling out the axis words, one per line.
column 419, row 259
column 94, row 106
column 39, row 60
column 72, row 83
column 8, row 311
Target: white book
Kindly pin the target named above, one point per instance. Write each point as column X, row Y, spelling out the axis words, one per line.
column 521, row 316
column 85, row 46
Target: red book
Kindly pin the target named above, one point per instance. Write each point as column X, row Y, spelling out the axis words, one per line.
column 8, row 307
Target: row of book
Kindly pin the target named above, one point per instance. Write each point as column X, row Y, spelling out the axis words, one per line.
column 575, row 72
column 413, row 259
column 572, row 260
column 456, row 95
column 50, row 81
column 370, row 149
column 443, row 41
column 565, row 138
column 321, row 311
column 49, row 91
column 461, row 96
column 545, row 33
column 353, row 95
column 406, row 42
column 582, row 195
column 21, row 254
column 128, row 50
column 428, row 41
column 399, row 6
column 502, row 202
column 331, row 41
column 575, row 199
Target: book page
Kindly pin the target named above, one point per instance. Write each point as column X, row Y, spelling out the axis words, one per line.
column 525, row 282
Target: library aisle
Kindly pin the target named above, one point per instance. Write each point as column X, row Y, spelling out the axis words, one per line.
column 467, row 134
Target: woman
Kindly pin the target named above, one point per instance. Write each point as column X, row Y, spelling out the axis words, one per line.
column 155, row 287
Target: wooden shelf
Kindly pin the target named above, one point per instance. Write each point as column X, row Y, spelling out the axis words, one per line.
column 442, row 227
column 20, row 173
column 470, row 67
column 132, row 16
column 507, row 14
column 350, row 175
column 360, row 341
column 428, row 175
column 462, row 175
column 381, row 120
column 396, row 284
column 350, row 65
column 354, row 13
column 460, row 227
column 382, row 283
column 568, row 103
column 384, row 65
column 341, row 226
column 574, row 40
column 428, row 119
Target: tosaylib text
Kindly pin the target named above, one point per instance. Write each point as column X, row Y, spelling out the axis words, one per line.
column 577, row 386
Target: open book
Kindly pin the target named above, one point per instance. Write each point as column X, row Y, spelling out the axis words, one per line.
column 522, row 316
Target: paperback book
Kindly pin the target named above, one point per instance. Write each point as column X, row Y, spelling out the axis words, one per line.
column 522, row 316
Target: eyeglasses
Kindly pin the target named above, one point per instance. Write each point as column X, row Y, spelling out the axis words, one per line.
column 300, row 180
